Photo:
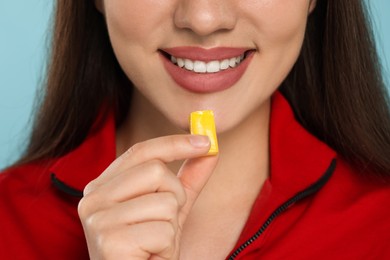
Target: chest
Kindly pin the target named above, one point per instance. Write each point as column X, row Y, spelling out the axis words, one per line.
column 212, row 235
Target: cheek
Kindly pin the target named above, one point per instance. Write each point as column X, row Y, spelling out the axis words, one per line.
column 278, row 22
column 136, row 30
column 122, row 20
column 135, row 21
column 281, row 28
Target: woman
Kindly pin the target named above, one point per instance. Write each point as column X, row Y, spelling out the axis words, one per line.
column 303, row 130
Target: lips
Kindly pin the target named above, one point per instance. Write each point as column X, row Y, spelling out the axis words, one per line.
column 206, row 70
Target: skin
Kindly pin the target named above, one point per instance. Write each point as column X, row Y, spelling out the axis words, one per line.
column 148, row 203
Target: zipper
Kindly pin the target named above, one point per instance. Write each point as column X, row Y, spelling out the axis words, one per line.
column 299, row 196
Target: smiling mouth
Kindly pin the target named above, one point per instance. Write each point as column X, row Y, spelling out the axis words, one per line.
column 200, row 70
column 203, row 67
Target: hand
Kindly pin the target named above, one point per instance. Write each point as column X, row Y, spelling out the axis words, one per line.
column 137, row 207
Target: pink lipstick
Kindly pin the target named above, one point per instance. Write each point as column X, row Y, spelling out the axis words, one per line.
column 206, row 70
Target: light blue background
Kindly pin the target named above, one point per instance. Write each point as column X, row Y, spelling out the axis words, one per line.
column 23, row 44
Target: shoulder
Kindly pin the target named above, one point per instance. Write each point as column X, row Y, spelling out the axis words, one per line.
column 363, row 194
column 27, row 181
column 348, row 218
column 359, row 187
column 29, row 178
column 352, row 207
column 360, row 193
column 32, row 209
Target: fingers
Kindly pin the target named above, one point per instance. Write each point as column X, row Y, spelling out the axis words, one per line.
column 150, row 177
column 137, row 228
column 161, row 206
column 141, row 241
column 136, row 208
column 165, row 149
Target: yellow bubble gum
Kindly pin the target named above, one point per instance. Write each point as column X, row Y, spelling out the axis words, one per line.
column 202, row 123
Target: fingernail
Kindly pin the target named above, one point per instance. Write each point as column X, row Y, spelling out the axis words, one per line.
column 199, row 141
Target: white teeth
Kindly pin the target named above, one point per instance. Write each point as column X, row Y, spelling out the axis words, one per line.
column 232, row 62
column 207, row 67
column 200, row 67
column 224, row 64
column 188, row 64
column 180, row 62
column 213, row 66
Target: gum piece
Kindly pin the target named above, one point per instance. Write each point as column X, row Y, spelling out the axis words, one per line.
column 202, row 123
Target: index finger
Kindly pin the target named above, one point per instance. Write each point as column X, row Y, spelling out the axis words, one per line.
column 167, row 149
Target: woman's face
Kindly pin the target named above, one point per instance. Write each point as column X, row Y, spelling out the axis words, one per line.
column 235, row 53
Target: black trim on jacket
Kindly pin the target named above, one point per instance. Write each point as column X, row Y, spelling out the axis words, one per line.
column 65, row 188
column 299, row 196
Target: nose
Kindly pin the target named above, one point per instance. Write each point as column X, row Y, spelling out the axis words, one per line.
column 205, row 17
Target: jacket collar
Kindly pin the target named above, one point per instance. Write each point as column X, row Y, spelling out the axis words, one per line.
column 298, row 158
column 72, row 172
column 299, row 164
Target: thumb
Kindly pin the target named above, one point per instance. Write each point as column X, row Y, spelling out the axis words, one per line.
column 194, row 175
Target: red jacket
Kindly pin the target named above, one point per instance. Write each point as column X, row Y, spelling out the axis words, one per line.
column 313, row 206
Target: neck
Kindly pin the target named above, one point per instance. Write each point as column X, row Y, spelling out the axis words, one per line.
column 244, row 157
